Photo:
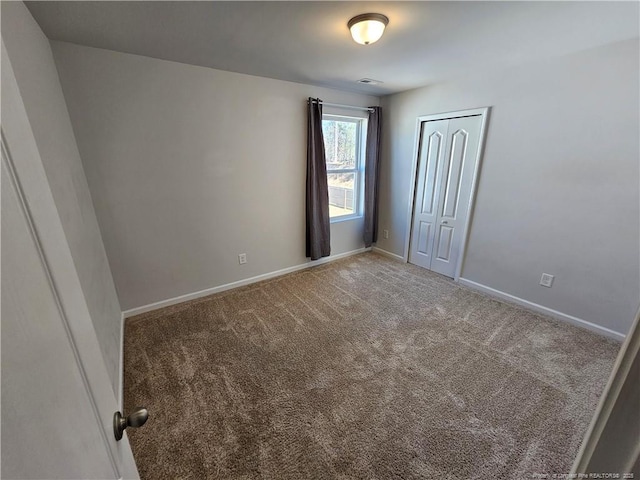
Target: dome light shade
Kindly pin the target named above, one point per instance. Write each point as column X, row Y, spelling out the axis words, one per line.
column 368, row 27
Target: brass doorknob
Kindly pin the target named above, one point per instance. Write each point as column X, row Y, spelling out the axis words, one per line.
column 135, row 419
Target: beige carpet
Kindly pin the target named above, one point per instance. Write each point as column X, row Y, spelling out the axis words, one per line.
column 363, row 368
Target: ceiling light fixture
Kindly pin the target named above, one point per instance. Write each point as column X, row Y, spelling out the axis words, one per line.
column 368, row 27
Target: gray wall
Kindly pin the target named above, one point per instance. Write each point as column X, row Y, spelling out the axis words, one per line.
column 35, row 70
column 190, row 166
column 559, row 185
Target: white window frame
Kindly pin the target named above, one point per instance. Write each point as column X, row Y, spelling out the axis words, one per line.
column 358, row 171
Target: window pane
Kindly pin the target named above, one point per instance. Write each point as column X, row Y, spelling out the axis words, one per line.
column 341, row 194
column 340, row 143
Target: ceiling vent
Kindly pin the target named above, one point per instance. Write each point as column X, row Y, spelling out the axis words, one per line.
column 369, row 81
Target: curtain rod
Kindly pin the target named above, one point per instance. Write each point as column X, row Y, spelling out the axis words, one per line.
column 353, row 107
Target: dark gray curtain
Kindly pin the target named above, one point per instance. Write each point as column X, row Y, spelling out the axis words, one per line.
column 318, row 231
column 371, row 168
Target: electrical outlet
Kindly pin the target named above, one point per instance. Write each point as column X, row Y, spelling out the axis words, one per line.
column 242, row 258
column 385, row 233
column 546, row 280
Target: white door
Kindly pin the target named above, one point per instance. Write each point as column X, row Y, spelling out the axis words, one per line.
column 446, row 164
column 57, row 401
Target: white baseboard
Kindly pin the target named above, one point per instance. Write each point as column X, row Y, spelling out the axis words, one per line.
column 399, row 258
column 542, row 309
column 239, row 283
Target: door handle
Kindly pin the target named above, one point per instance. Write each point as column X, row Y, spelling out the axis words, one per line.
column 135, row 419
column 445, row 222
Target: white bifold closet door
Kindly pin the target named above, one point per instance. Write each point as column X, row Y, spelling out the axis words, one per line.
column 448, row 152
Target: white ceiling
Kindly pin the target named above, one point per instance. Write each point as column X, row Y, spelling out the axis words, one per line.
column 309, row 42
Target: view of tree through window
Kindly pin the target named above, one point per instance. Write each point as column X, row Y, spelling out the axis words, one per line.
column 341, row 141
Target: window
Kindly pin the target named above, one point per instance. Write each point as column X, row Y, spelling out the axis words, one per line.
column 344, row 149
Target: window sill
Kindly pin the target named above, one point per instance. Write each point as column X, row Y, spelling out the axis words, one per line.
column 345, row 218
